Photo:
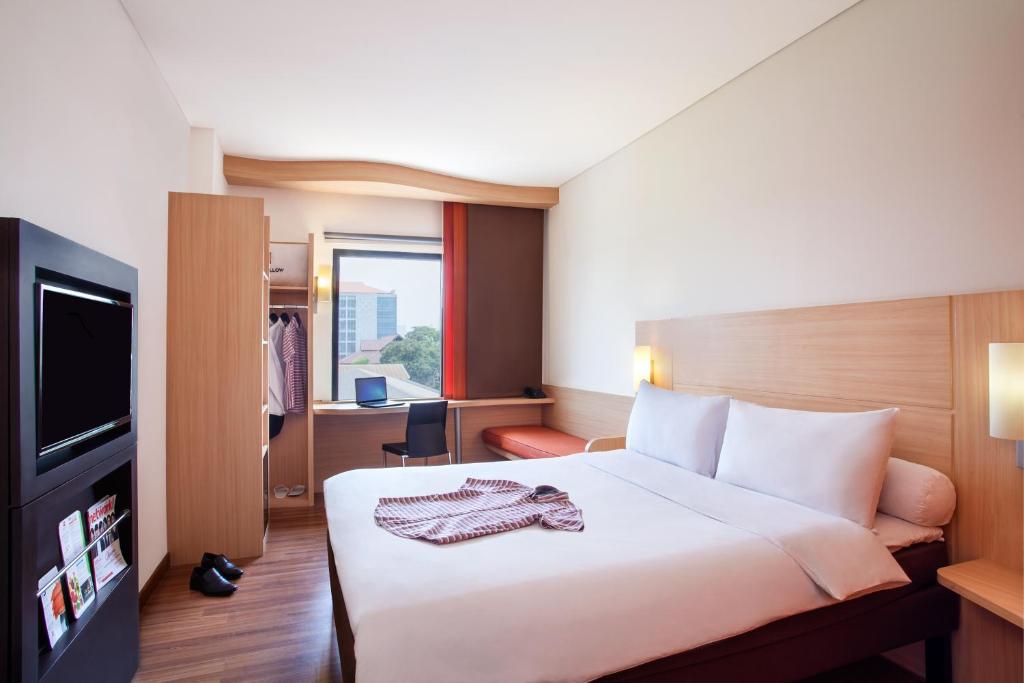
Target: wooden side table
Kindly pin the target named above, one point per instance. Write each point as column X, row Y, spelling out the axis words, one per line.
column 987, row 584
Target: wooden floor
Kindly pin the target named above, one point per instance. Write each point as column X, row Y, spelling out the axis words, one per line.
column 278, row 626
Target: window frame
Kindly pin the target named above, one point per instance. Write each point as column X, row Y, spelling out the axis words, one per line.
column 336, row 257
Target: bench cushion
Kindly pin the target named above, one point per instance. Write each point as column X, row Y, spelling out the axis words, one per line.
column 533, row 441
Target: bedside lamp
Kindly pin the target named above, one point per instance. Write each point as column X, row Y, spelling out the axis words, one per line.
column 1006, row 394
column 323, row 283
column 641, row 365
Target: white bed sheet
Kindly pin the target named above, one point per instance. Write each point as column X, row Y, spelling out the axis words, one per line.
column 668, row 561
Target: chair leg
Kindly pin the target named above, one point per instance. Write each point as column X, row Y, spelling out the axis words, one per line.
column 449, row 457
column 384, row 455
column 404, row 458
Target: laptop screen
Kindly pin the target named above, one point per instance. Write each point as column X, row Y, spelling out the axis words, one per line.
column 371, row 389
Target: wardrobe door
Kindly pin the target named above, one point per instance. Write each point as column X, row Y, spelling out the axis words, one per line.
column 215, row 397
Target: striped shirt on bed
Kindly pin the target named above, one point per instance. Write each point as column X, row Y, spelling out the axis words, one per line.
column 480, row 507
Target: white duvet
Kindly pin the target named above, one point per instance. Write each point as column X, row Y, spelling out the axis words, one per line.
column 669, row 560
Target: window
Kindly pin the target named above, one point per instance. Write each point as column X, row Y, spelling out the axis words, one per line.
column 387, row 322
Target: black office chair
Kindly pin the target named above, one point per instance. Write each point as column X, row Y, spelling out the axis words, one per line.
column 424, row 433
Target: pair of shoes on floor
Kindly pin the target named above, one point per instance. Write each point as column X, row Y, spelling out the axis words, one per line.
column 212, row 576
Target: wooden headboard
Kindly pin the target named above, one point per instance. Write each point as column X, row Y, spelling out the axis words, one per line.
column 829, row 358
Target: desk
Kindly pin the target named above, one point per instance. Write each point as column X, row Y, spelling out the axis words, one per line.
column 349, row 409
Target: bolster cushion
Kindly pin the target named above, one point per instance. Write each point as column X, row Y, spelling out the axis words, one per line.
column 917, row 494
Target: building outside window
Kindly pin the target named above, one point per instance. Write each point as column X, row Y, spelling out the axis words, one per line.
column 387, row 322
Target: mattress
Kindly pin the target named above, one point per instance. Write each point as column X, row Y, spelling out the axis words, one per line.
column 669, row 561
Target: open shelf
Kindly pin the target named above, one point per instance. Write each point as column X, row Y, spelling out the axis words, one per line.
column 288, row 288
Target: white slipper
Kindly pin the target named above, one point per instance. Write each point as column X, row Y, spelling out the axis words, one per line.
column 280, row 491
column 297, row 490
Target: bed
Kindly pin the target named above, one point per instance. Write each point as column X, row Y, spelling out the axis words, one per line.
column 773, row 590
column 677, row 576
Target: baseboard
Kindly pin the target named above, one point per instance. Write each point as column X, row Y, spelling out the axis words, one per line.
column 153, row 580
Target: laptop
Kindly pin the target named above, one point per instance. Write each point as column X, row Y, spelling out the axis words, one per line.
column 372, row 392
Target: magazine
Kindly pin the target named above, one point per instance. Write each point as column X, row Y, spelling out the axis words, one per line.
column 55, row 616
column 107, row 560
column 79, row 576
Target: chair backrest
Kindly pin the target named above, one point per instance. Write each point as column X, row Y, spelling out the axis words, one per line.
column 425, row 430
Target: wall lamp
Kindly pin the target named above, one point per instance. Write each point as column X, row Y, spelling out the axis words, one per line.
column 1006, row 394
column 641, row 365
column 323, row 283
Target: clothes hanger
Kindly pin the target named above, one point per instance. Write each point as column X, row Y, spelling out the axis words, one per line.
column 285, row 318
column 273, row 317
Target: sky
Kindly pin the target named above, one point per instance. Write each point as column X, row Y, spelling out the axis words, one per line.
column 417, row 284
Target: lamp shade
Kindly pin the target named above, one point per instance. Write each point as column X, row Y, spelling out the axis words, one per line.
column 323, row 282
column 641, row 365
column 1006, row 390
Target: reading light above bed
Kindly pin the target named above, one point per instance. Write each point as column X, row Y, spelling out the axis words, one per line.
column 1006, row 394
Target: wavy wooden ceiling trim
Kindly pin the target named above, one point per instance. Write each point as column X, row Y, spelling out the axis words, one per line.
column 375, row 178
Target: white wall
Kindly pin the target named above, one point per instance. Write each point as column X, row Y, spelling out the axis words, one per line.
column 205, row 162
column 91, row 141
column 881, row 156
column 294, row 214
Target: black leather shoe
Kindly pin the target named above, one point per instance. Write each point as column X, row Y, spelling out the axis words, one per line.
column 223, row 565
column 209, row 581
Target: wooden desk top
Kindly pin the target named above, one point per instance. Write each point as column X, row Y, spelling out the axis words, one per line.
column 349, row 408
column 996, row 588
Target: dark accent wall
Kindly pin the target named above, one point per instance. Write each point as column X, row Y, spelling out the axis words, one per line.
column 505, row 255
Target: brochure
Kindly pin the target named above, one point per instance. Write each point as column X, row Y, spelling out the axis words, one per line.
column 79, row 576
column 107, row 560
column 55, row 616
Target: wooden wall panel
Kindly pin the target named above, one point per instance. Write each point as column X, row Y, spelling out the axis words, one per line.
column 587, row 414
column 349, row 442
column 990, row 506
column 892, row 352
column 989, row 522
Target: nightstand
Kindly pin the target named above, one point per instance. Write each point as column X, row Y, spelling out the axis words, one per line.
column 987, row 584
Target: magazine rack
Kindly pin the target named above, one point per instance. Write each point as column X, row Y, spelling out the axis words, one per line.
column 101, row 645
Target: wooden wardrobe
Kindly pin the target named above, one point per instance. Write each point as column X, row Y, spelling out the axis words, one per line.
column 217, row 400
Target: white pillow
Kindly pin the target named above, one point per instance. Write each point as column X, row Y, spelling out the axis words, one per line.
column 681, row 429
column 832, row 462
column 917, row 494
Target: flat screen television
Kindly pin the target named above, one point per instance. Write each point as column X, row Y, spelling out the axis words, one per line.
column 84, row 361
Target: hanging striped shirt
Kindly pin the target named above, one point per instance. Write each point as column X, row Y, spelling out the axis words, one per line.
column 294, row 352
column 480, row 507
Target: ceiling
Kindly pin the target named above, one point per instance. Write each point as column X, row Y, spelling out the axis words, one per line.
column 531, row 92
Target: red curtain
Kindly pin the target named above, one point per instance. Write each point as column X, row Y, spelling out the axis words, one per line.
column 454, row 268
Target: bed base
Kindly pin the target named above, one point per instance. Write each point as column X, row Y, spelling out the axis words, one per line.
column 785, row 650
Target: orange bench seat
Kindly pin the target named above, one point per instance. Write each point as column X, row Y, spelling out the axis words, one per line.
column 532, row 441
